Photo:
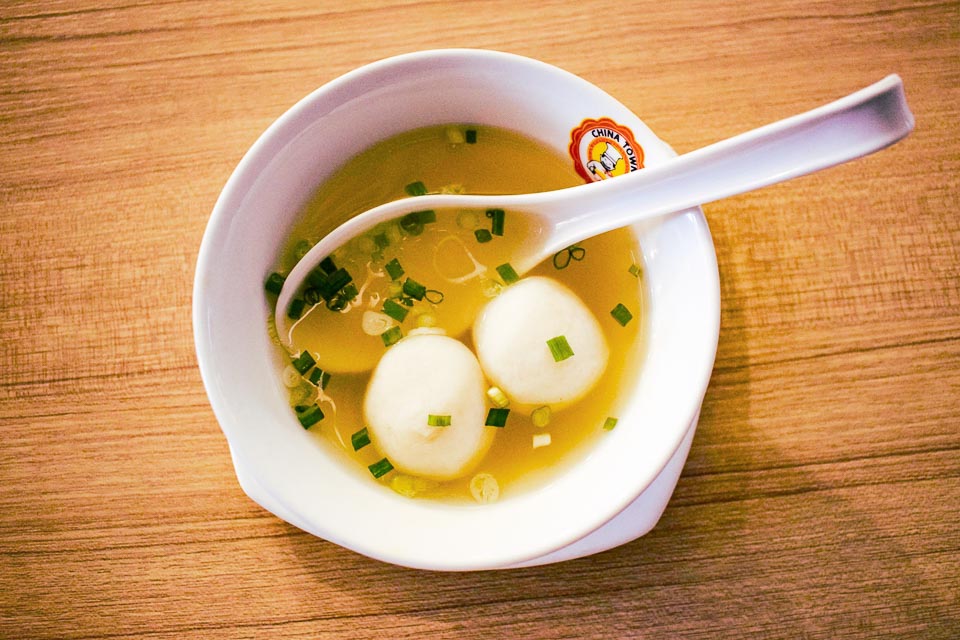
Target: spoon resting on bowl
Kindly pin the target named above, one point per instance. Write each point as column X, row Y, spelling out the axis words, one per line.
column 854, row 126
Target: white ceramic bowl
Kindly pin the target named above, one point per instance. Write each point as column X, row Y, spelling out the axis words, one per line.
column 614, row 495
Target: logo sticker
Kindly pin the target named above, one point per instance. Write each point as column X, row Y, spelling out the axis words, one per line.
column 603, row 149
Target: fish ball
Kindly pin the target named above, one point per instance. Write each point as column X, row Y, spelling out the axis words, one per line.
column 511, row 336
column 422, row 375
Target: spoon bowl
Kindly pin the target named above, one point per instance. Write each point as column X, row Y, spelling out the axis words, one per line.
column 854, row 126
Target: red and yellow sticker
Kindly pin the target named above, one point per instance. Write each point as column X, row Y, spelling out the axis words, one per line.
column 603, row 149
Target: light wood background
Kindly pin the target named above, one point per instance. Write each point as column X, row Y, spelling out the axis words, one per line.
column 821, row 498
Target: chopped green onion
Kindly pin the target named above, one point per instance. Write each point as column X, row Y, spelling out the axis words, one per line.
column 349, row 292
column 609, row 423
column 291, row 377
column 309, row 416
column 311, row 296
column 394, row 269
column 317, row 278
column 426, row 320
column 414, row 289
column 360, row 439
column 508, row 273
column 483, row 235
column 468, row 220
column 484, row 488
column 541, row 440
column 337, row 304
column 320, row 378
column 303, row 362
column 454, row 135
column 381, row 240
column 407, row 300
column 335, row 281
column 416, row 189
column 396, row 311
column 411, row 486
column 498, row 215
column 471, row 136
column 540, row 416
column 635, row 270
column 381, row 468
column 621, row 314
column 438, row 421
column 490, row 287
column 576, row 253
column 559, row 348
column 411, row 224
column 427, row 216
column 327, row 265
column 433, row 296
column 301, row 249
column 274, row 283
column 295, row 310
column 391, row 336
column 301, row 393
column 561, row 259
column 497, row 417
column 498, row 397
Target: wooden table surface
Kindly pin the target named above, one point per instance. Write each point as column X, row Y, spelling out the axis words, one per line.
column 821, row 497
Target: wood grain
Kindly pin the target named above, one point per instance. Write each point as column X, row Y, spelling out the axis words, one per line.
column 821, row 498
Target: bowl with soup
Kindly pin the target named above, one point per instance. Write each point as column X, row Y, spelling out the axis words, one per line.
column 420, row 402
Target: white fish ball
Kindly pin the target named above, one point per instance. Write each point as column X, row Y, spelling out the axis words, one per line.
column 511, row 337
column 422, row 375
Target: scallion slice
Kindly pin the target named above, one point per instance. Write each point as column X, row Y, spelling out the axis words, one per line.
column 360, row 439
column 303, row 362
column 498, row 397
column 497, row 417
column 609, row 423
column 295, row 310
column 576, row 253
column 394, row 269
column 471, row 136
column 541, row 440
column 381, row 468
column 349, row 292
column 328, row 265
column 335, row 281
column 311, row 296
column 561, row 259
column 621, row 314
column 497, row 216
column 317, row 278
column 416, row 189
column 427, row 216
column 414, row 289
column 433, row 296
column 309, row 416
column 635, row 270
column 559, row 348
column 391, row 336
column 541, row 416
column 274, row 283
column 438, row 421
column 320, row 378
column 411, row 224
column 381, row 240
column 396, row 311
column 508, row 273
column 483, row 235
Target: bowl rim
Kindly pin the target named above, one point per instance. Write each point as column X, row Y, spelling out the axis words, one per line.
column 242, row 180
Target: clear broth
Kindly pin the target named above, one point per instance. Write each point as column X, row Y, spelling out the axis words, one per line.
column 500, row 162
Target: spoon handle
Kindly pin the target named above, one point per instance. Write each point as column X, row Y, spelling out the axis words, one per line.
column 848, row 128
